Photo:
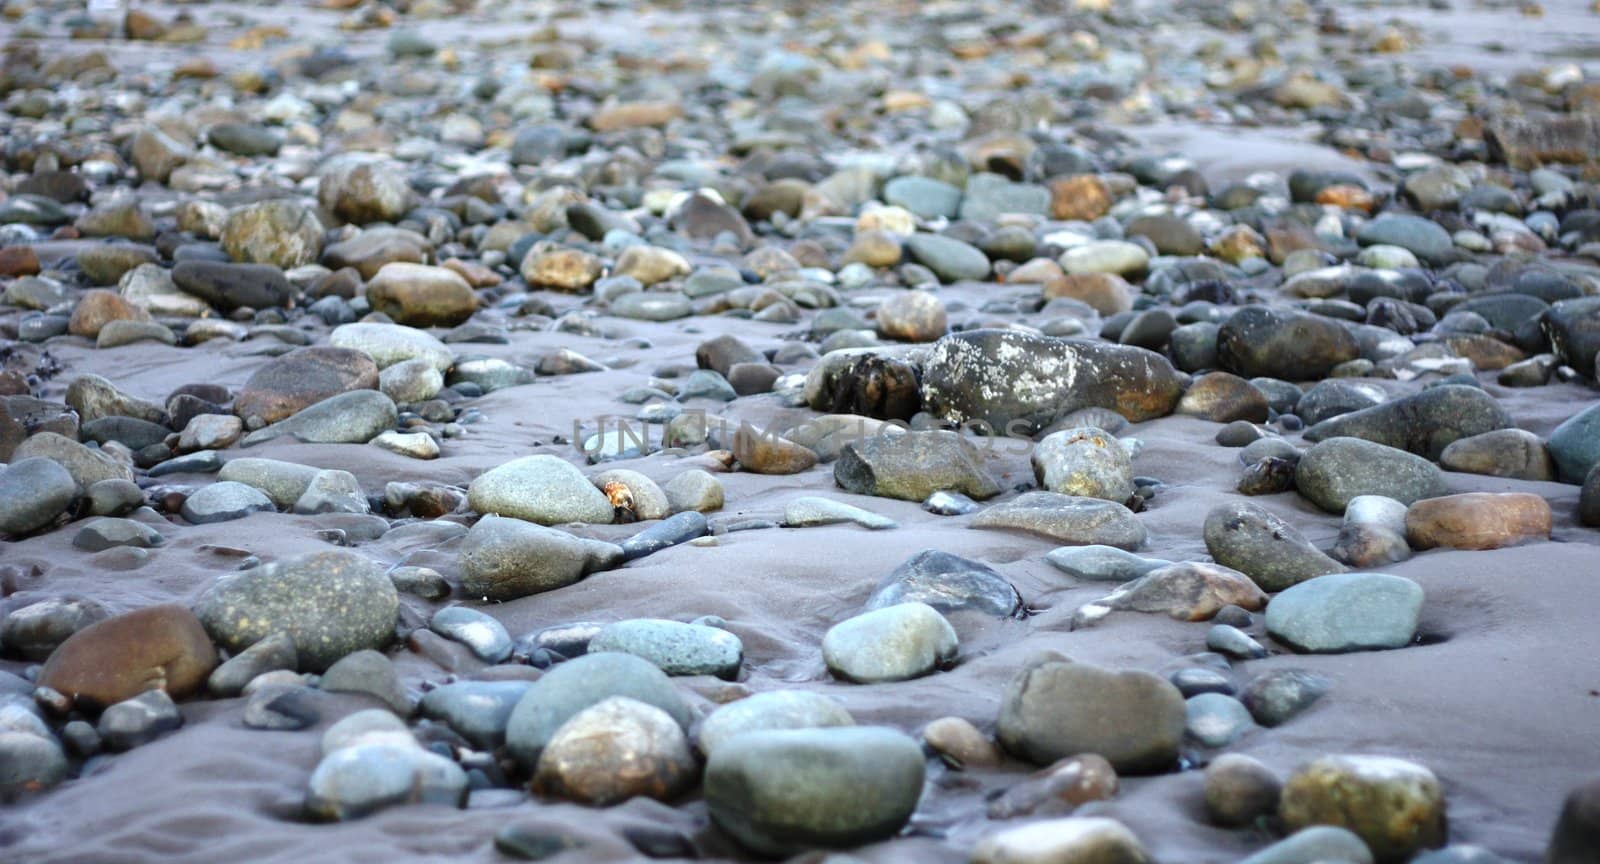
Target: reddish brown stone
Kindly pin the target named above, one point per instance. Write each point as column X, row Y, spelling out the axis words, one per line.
column 155, row 648
column 1478, row 520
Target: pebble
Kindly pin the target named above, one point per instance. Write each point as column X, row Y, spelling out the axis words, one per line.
column 1575, row 837
column 1060, row 787
column 1058, row 709
column 485, row 636
column 913, row 466
column 30, row 763
column 1186, row 591
column 1084, row 462
column 1425, row 423
column 33, row 631
column 577, row 684
column 355, row 417
column 960, row 744
column 780, row 709
column 1097, row 563
column 370, row 673
column 674, row 647
column 503, row 558
column 271, row 653
column 1215, row 719
column 1478, row 520
column 1073, row 840
column 1240, row 790
column 809, row 511
column 1315, row 844
column 542, row 489
column 110, row 661
column 138, row 720
column 947, row 583
column 1396, row 807
column 361, row 779
column 33, row 492
column 783, row 791
column 1269, row 550
column 224, row 501
column 1512, row 453
column 1067, row 519
column 479, row 711
column 893, row 643
column 616, row 749
column 1335, row 471
column 1346, row 612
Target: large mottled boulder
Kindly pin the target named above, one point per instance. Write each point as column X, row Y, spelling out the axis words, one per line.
column 155, row 648
column 1018, row 382
column 1260, row 342
column 1423, row 424
column 331, row 603
column 1056, row 709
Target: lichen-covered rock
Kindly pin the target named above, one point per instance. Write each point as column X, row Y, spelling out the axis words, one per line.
column 1018, row 383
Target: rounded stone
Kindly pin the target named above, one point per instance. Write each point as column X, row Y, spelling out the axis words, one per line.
column 331, row 603
column 1085, row 462
column 780, row 709
column 33, row 492
column 1343, row 612
column 781, row 792
column 1260, row 545
column 616, row 749
column 571, row 687
column 1333, row 472
column 158, row 647
column 1240, row 790
column 1057, row 709
column 1072, row 840
column 1478, row 520
column 674, row 647
column 1396, row 807
column 542, row 489
column 894, row 643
